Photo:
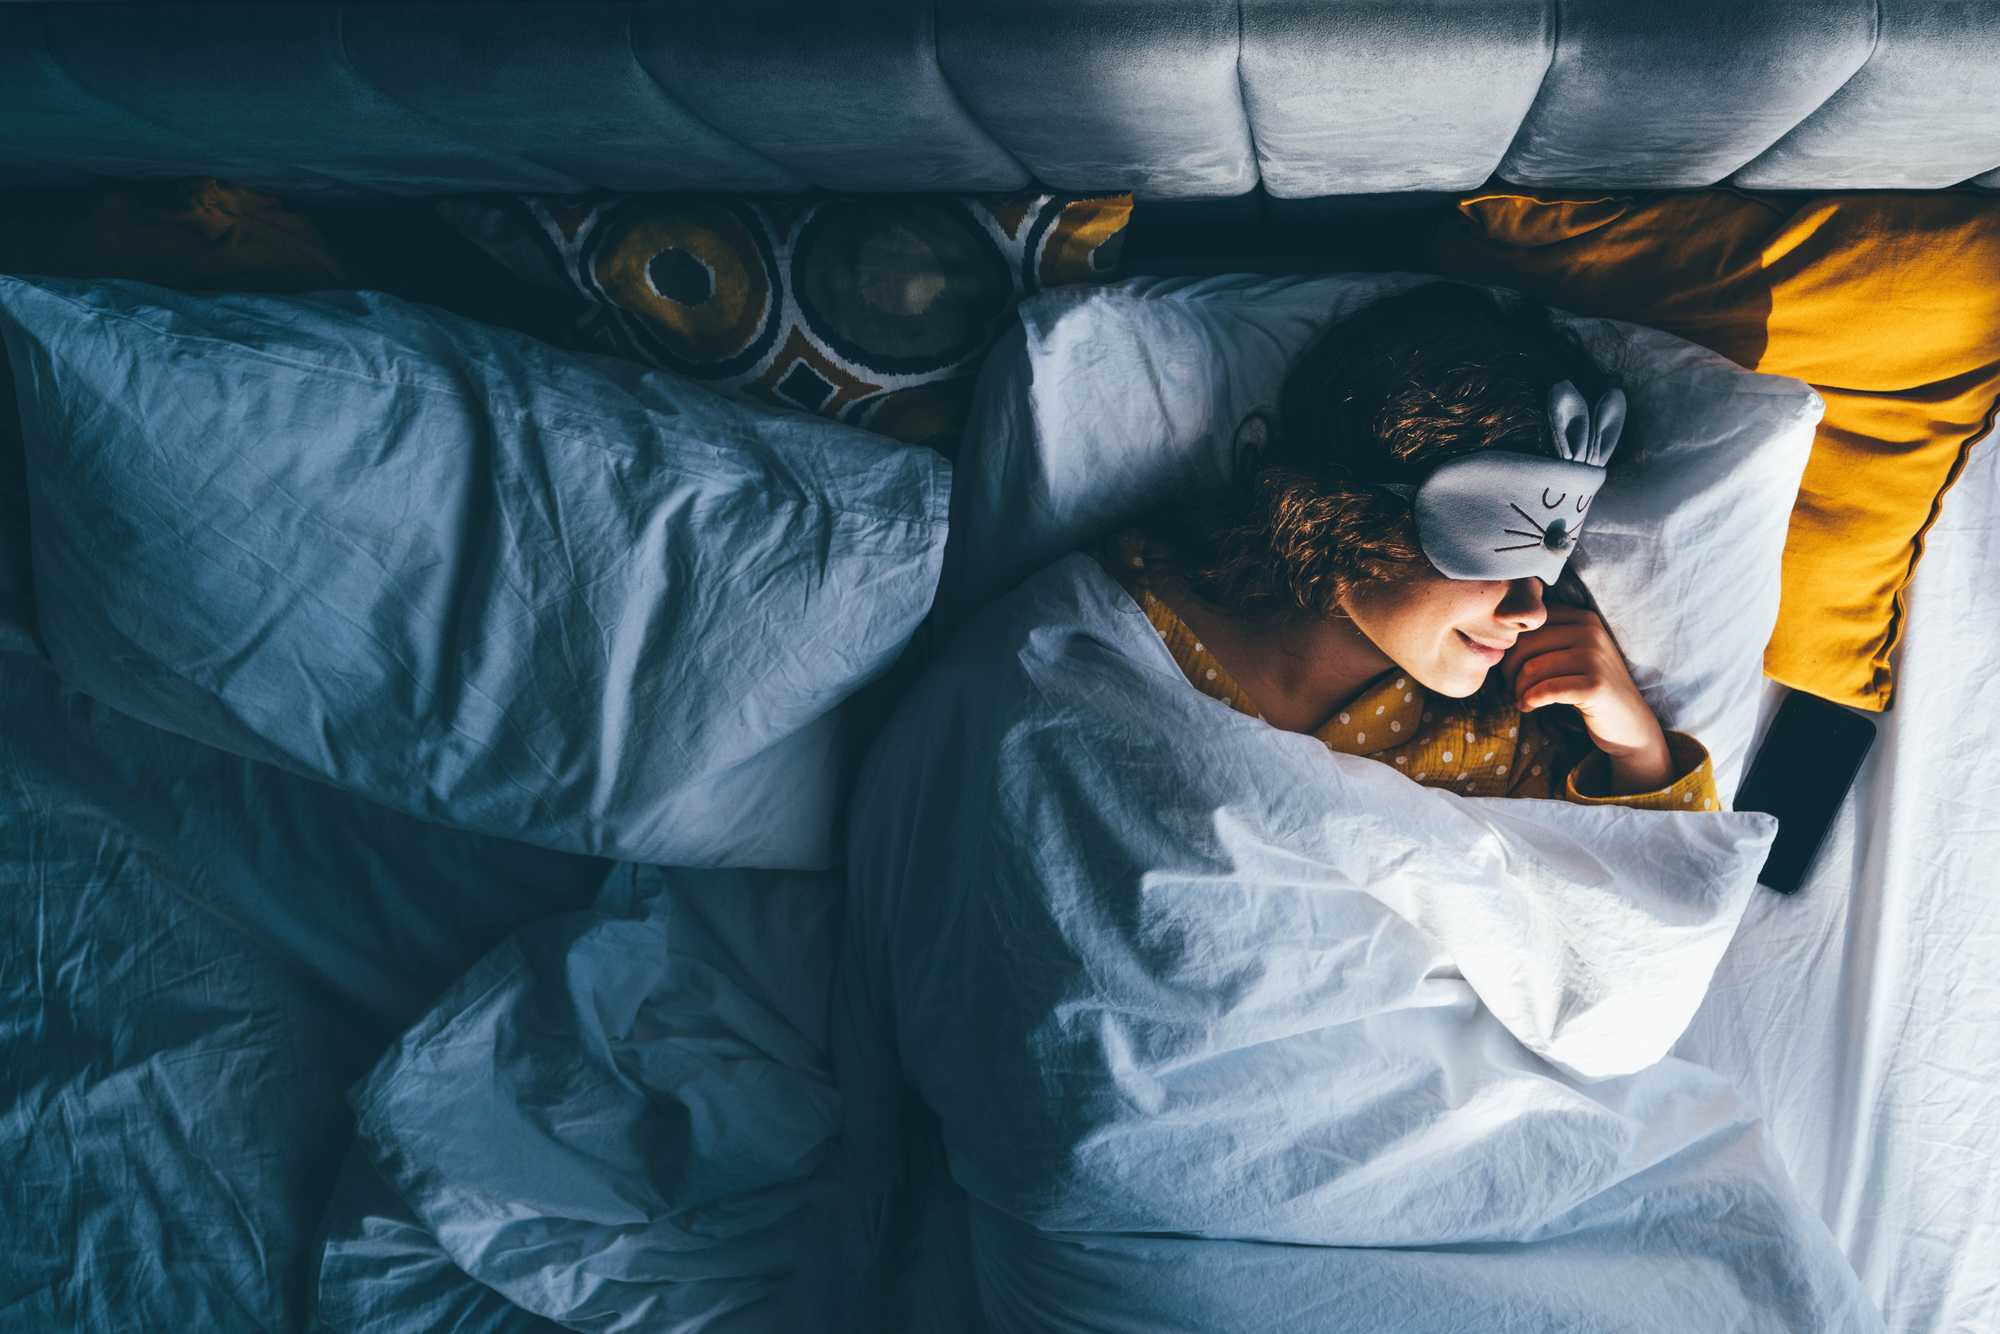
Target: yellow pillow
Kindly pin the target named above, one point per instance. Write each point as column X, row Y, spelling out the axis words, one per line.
column 1888, row 304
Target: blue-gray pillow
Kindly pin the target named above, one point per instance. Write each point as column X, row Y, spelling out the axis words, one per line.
column 552, row 596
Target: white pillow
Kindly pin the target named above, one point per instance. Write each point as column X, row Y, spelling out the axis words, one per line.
column 1107, row 399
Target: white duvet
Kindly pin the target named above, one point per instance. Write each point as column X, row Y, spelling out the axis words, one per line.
column 1225, row 1031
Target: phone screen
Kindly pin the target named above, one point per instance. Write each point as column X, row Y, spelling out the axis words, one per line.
column 1802, row 772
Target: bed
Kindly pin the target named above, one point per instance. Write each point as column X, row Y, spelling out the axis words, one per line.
column 1843, row 1006
column 205, row 960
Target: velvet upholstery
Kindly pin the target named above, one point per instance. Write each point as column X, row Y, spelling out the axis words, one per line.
column 1171, row 99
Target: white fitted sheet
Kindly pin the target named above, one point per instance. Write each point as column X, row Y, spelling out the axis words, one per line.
column 1863, row 1014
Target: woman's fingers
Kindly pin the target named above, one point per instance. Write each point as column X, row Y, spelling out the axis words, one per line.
column 1564, row 625
column 1549, row 637
column 1562, row 613
column 1573, row 660
column 1572, row 689
column 1566, row 632
column 1539, row 643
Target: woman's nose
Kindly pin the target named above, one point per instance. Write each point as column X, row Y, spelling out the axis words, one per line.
column 1523, row 607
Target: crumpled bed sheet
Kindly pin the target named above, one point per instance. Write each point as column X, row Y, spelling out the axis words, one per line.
column 1862, row 1015
column 199, row 956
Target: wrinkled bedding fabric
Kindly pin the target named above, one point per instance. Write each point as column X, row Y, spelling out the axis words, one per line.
column 1180, row 987
column 197, row 955
column 558, row 599
column 617, row 1102
column 623, row 1119
column 1208, row 1029
column 620, row 1117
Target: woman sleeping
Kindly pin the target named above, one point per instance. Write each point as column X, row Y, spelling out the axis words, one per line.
column 1247, row 1005
column 1304, row 596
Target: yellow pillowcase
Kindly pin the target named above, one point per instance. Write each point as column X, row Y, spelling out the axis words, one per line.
column 1887, row 304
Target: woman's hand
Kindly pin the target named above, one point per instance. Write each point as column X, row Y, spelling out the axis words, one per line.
column 1572, row 660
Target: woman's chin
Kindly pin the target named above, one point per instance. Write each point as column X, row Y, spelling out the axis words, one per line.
column 1460, row 681
column 1454, row 675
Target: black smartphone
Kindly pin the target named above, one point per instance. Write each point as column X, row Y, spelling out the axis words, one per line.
column 1808, row 760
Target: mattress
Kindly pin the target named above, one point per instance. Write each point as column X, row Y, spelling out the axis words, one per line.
column 1860, row 1013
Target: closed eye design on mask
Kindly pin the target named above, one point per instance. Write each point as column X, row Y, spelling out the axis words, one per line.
column 1582, row 503
column 1548, row 504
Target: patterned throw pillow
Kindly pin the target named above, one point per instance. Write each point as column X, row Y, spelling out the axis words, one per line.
column 871, row 309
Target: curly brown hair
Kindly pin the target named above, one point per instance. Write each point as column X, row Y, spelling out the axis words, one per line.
column 1383, row 396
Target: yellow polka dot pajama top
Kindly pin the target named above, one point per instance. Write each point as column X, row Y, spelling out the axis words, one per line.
column 1482, row 746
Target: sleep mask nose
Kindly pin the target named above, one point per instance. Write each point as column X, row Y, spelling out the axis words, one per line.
column 1502, row 516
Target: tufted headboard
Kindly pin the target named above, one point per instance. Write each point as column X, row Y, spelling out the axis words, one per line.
column 1173, row 99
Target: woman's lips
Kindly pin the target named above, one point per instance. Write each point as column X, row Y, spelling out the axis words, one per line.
column 1486, row 651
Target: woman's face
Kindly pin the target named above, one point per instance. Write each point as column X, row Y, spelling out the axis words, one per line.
column 1448, row 633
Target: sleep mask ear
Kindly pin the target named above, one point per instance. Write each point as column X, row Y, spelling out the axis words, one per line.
column 1253, row 436
column 1502, row 516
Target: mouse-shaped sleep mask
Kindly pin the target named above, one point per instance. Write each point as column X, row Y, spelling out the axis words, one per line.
column 1501, row 515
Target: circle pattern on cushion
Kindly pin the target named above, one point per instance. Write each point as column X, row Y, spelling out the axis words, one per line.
column 899, row 286
column 700, row 279
column 872, row 309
